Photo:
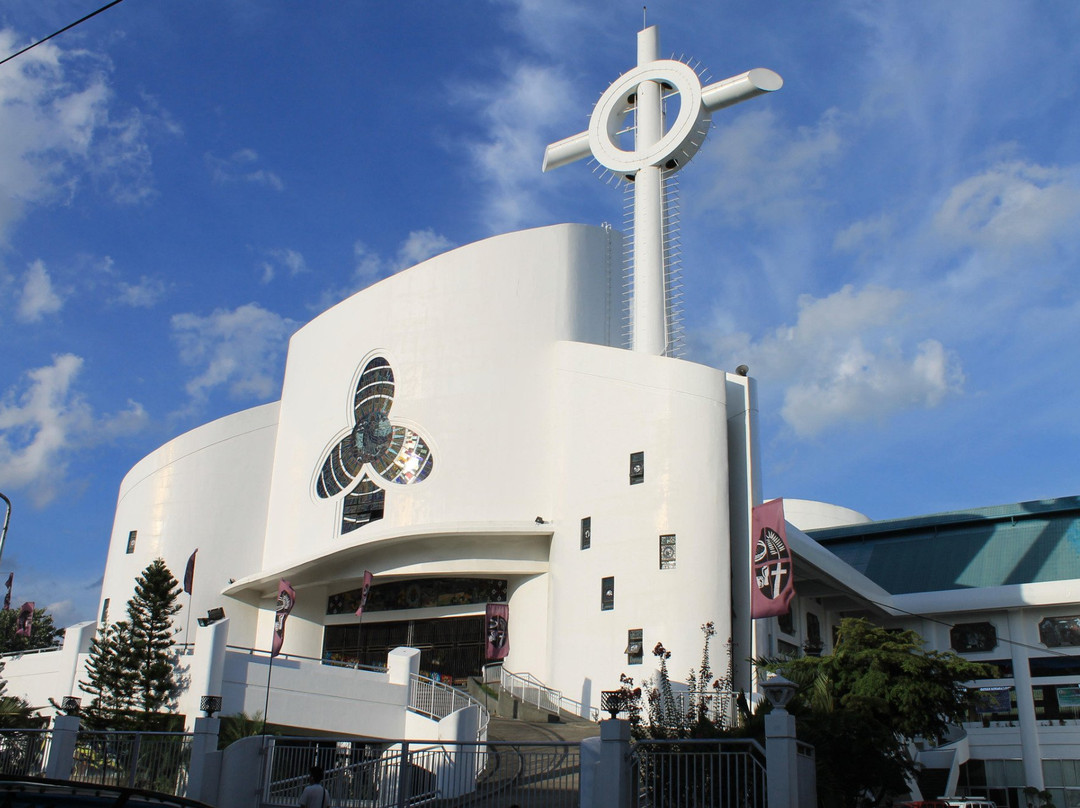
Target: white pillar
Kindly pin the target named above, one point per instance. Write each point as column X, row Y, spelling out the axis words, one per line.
column 613, row 787
column 650, row 320
column 62, row 749
column 1025, row 702
column 203, row 744
column 780, row 759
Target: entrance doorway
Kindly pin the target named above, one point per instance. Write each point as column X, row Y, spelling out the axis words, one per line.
column 452, row 647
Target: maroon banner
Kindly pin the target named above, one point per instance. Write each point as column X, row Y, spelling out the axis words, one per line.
column 189, row 572
column 498, row 635
column 773, row 584
column 24, row 623
column 364, row 593
column 286, row 599
column 7, row 595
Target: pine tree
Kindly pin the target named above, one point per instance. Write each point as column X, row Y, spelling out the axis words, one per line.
column 130, row 672
column 109, row 681
column 150, row 613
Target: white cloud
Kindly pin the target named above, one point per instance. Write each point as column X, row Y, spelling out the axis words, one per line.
column 143, row 295
column 290, row 260
column 845, row 359
column 517, row 113
column 369, row 266
column 44, row 421
column 59, row 125
column 756, row 169
column 1012, row 205
column 38, row 297
column 418, row 246
column 239, row 167
column 241, row 350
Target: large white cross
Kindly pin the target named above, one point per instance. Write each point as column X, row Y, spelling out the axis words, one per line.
column 657, row 148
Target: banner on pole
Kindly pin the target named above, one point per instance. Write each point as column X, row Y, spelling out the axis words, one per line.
column 24, row 623
column 286, row 599
column 498, row 636
column 7, row 595
column 773, row 584
column 364, row 593
column 189, row 572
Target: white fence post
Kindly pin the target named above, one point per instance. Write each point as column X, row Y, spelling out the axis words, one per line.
column 203, row 745
column 780, row 759
column 613, row 786
column 61, row 760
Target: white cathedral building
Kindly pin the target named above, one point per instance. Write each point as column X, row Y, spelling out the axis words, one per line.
column 484, row 428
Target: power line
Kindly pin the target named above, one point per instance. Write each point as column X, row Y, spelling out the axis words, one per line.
column 947, row 624
column 65, row 28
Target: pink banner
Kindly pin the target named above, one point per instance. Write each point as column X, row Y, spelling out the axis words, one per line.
column 364, row 593
column 24, row 622
column 189, row 572
column 286, row 599
column 773, row 584
column 498, row 635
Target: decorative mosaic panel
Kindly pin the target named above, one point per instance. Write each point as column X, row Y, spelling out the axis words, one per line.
column 425, row 593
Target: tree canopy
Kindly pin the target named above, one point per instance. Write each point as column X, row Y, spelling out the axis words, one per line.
column 863, row 704
column 43, row 633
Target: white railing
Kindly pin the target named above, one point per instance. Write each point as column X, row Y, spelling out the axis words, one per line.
column 437, row 700
column 530, row 690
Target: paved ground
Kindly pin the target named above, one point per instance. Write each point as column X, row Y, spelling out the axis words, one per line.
column 508, row 729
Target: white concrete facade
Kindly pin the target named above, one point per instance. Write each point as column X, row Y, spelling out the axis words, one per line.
column 531, row 408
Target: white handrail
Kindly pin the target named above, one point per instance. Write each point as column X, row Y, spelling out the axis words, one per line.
column 437, row 700
column 530, row 690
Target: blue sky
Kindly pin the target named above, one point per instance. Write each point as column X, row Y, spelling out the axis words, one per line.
column 889, row 242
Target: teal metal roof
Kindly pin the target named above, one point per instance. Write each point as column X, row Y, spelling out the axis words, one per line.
column 1027, row 542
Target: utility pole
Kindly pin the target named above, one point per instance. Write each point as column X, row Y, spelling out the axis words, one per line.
column 7, row 518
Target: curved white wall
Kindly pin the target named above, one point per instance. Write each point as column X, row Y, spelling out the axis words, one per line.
column 469, row 336
column 808, row 514
column 205, row 489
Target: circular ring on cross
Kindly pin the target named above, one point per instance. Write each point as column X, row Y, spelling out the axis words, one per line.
column 676, row 145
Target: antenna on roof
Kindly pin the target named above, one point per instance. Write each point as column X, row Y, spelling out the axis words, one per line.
column 644, row 23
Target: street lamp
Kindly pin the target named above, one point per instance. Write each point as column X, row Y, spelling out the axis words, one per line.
column 779, row 691
column 7, row 518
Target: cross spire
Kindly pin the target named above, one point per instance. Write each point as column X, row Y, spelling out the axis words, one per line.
column 658, row 147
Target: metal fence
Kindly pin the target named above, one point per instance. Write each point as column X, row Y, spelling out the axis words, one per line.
column 155, row 761
column 410, row 773
column 700, row 774
column 530, row 690
column 437, row 700
column 24, row 752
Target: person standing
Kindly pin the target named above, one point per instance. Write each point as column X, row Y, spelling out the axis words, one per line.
column 315, row 795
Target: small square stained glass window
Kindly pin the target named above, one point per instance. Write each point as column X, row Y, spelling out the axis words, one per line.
column 635, row 653
column 667, row 552
column 607, row 594
column 586, row 533
column 131, row 541
column 637, row 468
